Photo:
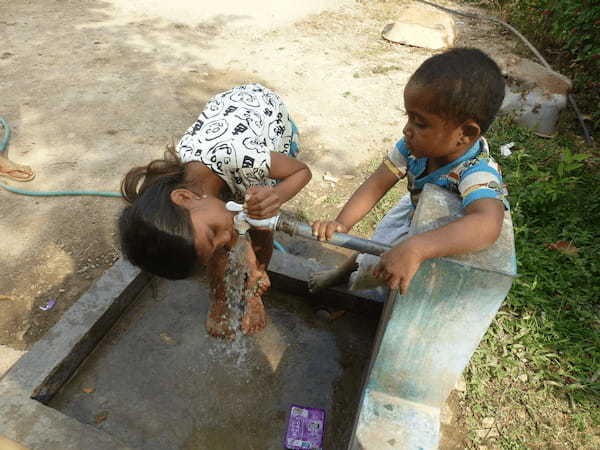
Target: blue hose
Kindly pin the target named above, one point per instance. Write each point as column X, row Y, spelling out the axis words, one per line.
column 4, row 141
column 3, row 145
column 58, row 193
column 279, row 247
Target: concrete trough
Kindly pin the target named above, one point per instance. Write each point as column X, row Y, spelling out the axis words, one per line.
column 130, row 365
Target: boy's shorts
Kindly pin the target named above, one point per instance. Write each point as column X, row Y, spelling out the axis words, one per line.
column 392, row 229
column 294, row 147
column 294, row 141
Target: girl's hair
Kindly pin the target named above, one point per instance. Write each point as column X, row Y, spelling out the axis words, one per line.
column 156, row 234
column 465, row 83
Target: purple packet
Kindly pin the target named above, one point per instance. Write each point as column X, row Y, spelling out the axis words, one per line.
column 305, row 428
column 49, row 305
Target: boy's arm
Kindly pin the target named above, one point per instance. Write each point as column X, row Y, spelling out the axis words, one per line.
column 264, row 202
column 361, row 202
column 477, row 229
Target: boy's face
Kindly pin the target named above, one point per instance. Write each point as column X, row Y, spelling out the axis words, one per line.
column 430, row 136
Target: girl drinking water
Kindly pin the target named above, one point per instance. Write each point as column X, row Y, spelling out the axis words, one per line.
column 242, row 147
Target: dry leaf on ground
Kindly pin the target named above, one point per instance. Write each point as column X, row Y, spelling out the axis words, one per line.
column 167, row 339
column 564, row 247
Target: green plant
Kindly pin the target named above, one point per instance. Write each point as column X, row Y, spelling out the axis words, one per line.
column 536, row 370
column 566, row 33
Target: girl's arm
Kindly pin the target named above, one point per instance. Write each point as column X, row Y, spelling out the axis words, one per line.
column 477, row 229
column 361, row 202
column 264, row 202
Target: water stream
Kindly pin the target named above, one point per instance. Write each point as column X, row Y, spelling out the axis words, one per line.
column 235, row 280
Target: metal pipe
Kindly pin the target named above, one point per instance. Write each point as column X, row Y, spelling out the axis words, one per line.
column 294, row 228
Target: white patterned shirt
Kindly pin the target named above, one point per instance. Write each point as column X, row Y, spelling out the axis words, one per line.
column 235, row 135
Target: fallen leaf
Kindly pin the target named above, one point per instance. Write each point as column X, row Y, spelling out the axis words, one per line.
column 523, row 378
column 7, row 297
column 330, row 178
column 167, row 339
column 101, row 418
column 564, row 247
column 336, row 315
column 88, row 390
column 488, row 422
column 323, row 314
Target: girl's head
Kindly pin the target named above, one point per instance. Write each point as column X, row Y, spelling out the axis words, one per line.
column 171, row 228
column 156, row 234
column 450, row 100
column 211, row 222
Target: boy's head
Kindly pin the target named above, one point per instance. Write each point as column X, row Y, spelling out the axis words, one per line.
column 464, row 83
column 156, row 234
column 450, row 101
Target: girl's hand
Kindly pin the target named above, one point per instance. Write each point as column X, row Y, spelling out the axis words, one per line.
column 324, row 230
column 399, row 265
column 261, row 202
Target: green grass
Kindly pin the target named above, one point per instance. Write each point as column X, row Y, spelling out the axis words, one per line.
column 536, row 370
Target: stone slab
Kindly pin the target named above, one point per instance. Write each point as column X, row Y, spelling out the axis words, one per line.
column 39, row 373
column 422, row 26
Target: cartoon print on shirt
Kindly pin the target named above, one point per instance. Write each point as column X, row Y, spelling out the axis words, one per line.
column 185, row 147
column 254, row 176
column 212, row 108
column 276, row 128
column 219, row 156
column 256, row 144
column 196, row 127
column 270, row 99
column 252, row 118
column 245, row 97
column 213, row 130
column 246, row 124
column 247, row 162
column 240, row 128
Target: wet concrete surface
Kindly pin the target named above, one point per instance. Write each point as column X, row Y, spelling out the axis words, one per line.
column 159, row 381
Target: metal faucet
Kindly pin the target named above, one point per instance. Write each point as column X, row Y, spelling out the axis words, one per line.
column 283, row 222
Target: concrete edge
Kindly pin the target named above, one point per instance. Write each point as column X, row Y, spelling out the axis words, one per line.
column 38, row 375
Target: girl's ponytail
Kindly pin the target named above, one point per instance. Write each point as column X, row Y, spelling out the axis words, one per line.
column 138, row 179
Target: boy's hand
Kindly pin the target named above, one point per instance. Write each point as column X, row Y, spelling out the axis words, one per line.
column 324, row 230
column 399, row 265
column 261, row 202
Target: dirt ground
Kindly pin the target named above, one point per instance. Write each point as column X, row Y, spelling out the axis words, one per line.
column 92, row 88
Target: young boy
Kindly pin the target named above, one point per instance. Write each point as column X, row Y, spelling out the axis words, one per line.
column 450, row 101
